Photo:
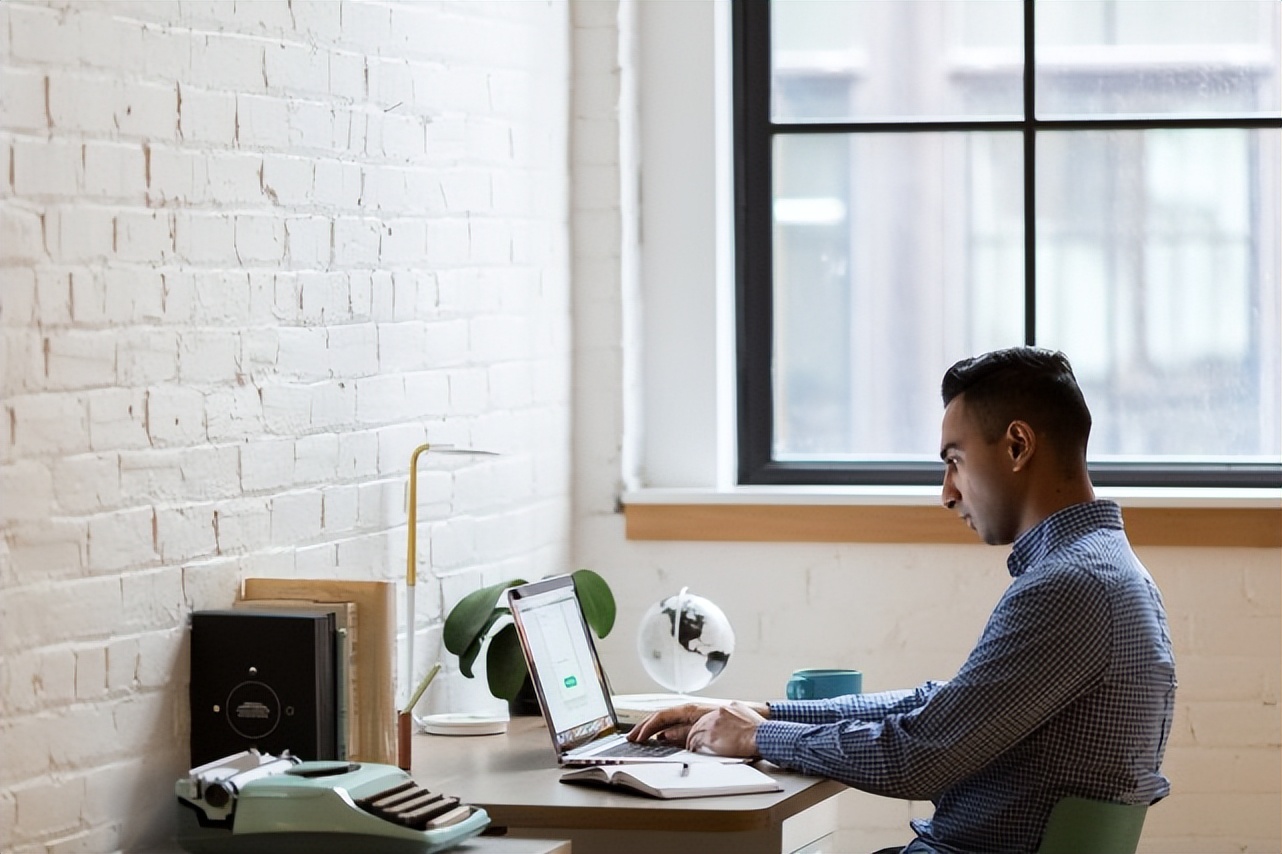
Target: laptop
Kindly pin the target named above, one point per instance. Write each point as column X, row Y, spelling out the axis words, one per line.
column 574, row 695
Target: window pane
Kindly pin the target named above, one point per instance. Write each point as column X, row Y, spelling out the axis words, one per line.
column 1172, row 58
column 894, row 255
column 1158, row 273
column 879, row 60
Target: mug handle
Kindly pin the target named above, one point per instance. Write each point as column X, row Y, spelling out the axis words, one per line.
column 798, row 688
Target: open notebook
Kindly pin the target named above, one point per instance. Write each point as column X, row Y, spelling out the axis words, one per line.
column 570, row 683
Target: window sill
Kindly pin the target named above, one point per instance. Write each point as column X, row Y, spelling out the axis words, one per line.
column 1154, row 517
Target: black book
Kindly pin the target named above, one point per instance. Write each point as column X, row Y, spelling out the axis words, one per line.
column 263, row 680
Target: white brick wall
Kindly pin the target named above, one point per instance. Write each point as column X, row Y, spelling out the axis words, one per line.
column 251, row 254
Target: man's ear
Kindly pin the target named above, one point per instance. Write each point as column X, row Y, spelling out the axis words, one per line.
column 1021, row 442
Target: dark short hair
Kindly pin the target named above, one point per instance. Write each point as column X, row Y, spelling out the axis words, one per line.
column 1025, row 384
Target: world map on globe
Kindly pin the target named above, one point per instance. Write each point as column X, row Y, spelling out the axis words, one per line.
column 684, row 642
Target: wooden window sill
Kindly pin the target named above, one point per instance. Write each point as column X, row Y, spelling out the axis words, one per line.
column 1252, row 520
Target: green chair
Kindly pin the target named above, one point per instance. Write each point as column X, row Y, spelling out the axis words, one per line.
column 1081, row 826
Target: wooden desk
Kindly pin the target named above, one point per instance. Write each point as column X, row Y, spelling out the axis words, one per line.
column 515, row 778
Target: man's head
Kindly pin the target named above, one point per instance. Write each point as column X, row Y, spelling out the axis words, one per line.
column 1013, row 440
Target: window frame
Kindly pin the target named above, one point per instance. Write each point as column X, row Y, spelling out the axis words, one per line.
column 753, row 132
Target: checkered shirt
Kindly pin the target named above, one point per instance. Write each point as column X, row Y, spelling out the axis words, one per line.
column 1070, row 691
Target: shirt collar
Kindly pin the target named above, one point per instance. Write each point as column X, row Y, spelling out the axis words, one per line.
column 1059, row 527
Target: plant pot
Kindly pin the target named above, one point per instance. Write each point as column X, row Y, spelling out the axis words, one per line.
column 526, row 702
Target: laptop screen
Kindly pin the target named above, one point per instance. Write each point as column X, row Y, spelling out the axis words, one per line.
column 563, row 661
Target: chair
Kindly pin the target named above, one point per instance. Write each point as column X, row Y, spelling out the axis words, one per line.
column 1081, row 826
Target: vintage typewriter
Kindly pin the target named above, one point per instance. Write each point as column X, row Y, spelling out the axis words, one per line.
column 256, row 802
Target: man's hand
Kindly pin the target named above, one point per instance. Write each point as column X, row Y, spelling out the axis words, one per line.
column 727, row 731
column 670, row 726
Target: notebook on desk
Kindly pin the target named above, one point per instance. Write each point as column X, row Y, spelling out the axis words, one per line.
column 572, row 689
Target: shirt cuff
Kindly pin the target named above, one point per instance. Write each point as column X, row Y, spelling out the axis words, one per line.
column 776, row 740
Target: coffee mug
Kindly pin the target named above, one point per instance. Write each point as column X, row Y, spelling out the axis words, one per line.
column 817, row 684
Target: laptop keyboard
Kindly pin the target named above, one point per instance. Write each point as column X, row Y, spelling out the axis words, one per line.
column 628, row 749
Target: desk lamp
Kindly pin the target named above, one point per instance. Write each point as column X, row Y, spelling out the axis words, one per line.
column 411, row 552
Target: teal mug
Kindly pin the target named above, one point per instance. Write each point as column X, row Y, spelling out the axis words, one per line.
column 817, row 684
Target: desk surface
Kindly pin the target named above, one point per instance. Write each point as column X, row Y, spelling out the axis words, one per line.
column 515, row 777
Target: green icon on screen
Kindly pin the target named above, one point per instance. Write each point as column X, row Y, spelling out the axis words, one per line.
column 570, row 681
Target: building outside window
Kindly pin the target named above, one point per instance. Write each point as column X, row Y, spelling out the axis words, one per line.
column 908, row 195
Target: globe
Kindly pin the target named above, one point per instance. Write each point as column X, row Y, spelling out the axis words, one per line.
column 684, row 642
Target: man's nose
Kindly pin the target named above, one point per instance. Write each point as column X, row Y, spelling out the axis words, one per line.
column 949, row 496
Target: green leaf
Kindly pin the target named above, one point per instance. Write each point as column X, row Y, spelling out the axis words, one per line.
column 472, row 617
column 466, row 660
column 597, row 601
column 505, row 664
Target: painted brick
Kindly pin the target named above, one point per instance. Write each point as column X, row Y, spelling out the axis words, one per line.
column 144, row 236
column 46, row 168
column 109, row 40
column 337, row 184
column 34, row 483
column 123, row 539
column 233, row 413
column 145, row 356
column 81, row 233
column 181, row 474
column 49, row 424
column 403, row 243
column 312, row 125
column 316, row 459
column 308, row 241
column 185, row 533
column 356, row 241
column 22, row 92
column 232, row 179
column 242, row 525
column 79, row 359
column 91, row 673
column 259, row 238
column 340, row 507
column 296, row 518
column 88, row 103
column 288, row 180
column 52, row 805
column 204, row 237
column 148, row 110
column 287, row 408
column 296, row 68
column 153, row 599
column 353, row 350
column 175, row 416
column 21, row 234
column 37, row 35
column 47, row 550
column 358, row 454
column 113, row 170
column 229, row 61
column 267, row 464
column 347, row 75
column 206, row 116
column 86, row 483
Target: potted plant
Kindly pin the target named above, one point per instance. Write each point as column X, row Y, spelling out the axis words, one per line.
column 470, row 622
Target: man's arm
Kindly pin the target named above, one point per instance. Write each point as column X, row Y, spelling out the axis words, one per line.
column 1046, row 645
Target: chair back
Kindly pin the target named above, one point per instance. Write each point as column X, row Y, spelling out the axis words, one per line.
column 1082, row 826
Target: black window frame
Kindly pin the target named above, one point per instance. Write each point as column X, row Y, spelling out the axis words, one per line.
column 753, row 133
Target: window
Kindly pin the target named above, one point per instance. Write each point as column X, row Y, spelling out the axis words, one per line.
column 920, row 181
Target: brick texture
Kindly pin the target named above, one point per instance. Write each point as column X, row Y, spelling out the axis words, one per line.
column 224, row 229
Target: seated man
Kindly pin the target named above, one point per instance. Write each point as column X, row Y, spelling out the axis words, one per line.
column 1071, row 687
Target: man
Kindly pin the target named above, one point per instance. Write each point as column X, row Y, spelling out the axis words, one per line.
column 1071, row 687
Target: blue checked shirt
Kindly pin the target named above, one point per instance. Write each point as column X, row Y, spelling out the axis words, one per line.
column 1070, row 691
